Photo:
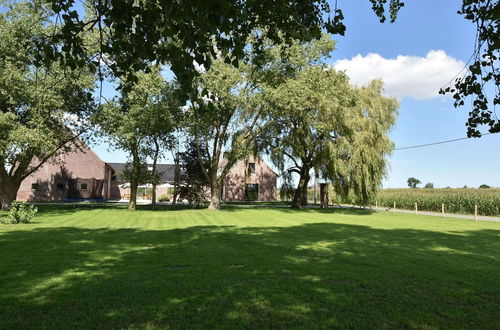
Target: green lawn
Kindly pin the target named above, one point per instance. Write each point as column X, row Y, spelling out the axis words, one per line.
column 248, row 268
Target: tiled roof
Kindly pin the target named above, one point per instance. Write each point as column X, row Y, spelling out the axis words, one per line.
column 166, row 170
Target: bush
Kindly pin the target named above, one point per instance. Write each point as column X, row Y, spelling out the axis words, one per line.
column 21, row 213
column 194, row 193
column 164, row 198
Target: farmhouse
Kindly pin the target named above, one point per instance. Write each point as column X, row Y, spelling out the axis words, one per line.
column 76, row 175
column 81, row 174
column 249, row 180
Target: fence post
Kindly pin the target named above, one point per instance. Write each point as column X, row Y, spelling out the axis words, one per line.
column 442, row 209
column 394, row 208
column 475, row 212
column 416, row 208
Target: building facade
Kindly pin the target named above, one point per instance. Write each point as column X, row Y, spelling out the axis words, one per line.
column 250, row 180
column 81, row 174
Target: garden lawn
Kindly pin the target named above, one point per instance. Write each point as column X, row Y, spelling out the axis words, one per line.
column 248, row 268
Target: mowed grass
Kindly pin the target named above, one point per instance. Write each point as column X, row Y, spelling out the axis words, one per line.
column 248, row 268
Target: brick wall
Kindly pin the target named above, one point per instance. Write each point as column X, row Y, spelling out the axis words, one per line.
column 238, row 177
column 53, row 178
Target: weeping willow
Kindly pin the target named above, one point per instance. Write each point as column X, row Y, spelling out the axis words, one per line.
column 319, row 122
column 357, row 163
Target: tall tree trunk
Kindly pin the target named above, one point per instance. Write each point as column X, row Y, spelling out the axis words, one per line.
column 304, row 201
column 323, row 192
column 132, row 203
column 176, row 179
column 134, row 180
column 8, row 193
column 300, row 195
column 214, row 196
column 154, row 180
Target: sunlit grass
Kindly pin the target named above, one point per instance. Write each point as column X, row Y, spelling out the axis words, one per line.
column 252, row 268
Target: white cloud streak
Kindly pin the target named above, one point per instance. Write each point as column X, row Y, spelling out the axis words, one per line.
column 404, row 76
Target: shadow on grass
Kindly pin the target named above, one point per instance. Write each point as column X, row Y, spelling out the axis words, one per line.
column 48, row 209
column 66, row 209
column 309, row 276
column 288, row 209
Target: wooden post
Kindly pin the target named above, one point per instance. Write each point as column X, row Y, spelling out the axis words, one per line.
column 394, row 207
column 416, row 208
column 475, row 212
column 442, row 209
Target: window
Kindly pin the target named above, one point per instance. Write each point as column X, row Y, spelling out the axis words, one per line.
column 34, row 186
column 251, row 192
column 83, row 186
column 114, row 177
column 60, row 187
column 251, row 167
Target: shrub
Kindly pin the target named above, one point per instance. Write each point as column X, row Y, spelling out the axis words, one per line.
column 194, row 194
column 484, row 186
column 21, row 213
column 164, row 198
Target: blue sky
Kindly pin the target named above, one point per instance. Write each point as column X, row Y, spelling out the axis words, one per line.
column 423, row 50
column 424, row 26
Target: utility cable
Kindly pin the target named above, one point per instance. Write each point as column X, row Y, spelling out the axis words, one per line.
column 435, row 143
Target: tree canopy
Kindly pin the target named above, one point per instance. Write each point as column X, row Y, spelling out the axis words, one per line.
column 413, row 182
column 225, row 121
column 42, row 108
column 177, row 33
column 139, row 121
column 483, row 75
column 318, row 120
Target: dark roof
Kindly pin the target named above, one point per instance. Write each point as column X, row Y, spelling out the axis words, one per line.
column 166, row 170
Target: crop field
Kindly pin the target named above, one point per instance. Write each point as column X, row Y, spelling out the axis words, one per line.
column 460, row 201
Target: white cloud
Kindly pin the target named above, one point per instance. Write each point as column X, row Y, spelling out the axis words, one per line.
column 200, row 68
column 404, row 76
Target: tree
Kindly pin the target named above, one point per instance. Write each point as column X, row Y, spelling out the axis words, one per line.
column 225, row 122
column 429, row 185
column 484, row 186
column 179, row 32
column 483, row 72
column 139, row 119
column 42, row 109
column 159, row 125
column 192, row 174
column 413, row 182
column 361, row 160
column 319, row 122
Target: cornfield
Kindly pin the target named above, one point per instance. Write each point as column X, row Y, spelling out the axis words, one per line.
column 461, row 201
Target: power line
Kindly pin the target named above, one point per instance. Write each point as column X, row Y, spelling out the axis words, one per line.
column 434, row 143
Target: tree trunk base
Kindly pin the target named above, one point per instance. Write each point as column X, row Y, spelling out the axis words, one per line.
column 214, row 207
column 8, row 197
column 214, row 201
